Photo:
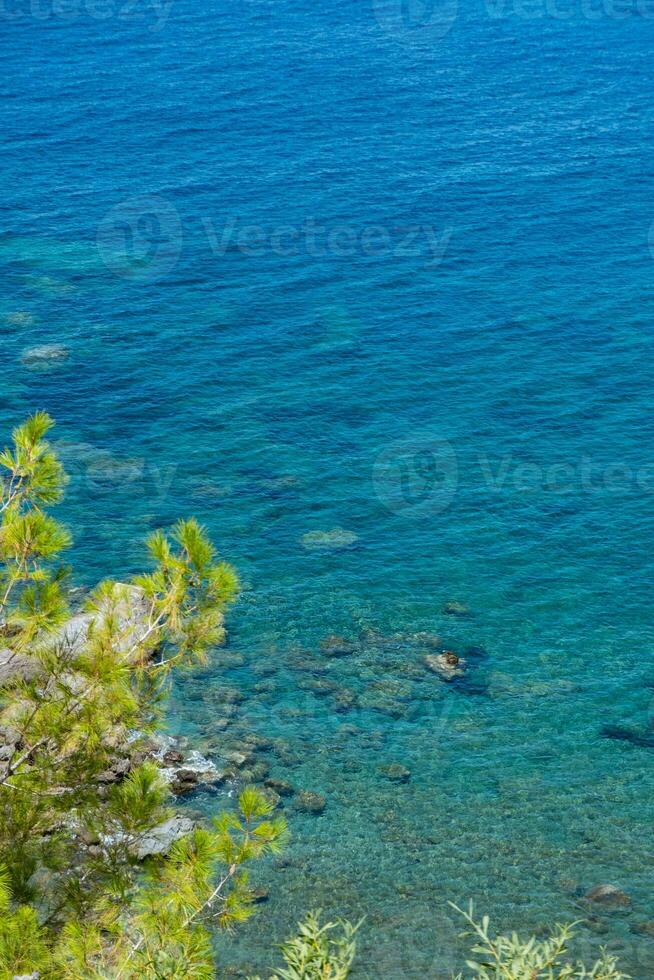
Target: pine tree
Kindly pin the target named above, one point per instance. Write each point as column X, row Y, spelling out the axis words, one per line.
column 73, row 691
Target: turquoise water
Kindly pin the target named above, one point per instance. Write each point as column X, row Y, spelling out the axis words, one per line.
column 387, row 270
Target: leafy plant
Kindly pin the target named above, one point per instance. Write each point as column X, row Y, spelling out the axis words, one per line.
column 511, row 958
column 315, row 954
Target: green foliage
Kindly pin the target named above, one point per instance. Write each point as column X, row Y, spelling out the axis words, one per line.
column 315, row 954
column 74, row 900
column 510, row 958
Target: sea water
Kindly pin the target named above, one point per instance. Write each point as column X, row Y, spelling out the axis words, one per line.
column 367, row 287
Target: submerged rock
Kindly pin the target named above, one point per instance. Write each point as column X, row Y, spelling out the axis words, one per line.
column 447, row 665
column 20, row 318
column 328, row 540
column 44, row 356
column 307, row 801
column 337, row 646
column 608, row 896
column 320, row 686
column 344, row 699
column 640, row 738
column 455, row 608
column 280, row 786
column 432, row 640
column 396, row 772
column 259, row 895
column 644, row 928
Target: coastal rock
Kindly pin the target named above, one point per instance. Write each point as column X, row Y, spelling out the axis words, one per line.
column 328, row 540
column 184, row 771
column 307, row 801
column 608, row 896
column 455, row 608
column 161, row 838
column 117, row 771
column 447, row 665
column 396, row 772
column 337, row 646
column 16, row 667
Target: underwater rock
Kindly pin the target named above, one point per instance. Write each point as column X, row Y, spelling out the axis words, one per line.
column 280, row 786
column 406, row 669
column 641, row 739
column 273, row 798
column 447, row 665
column 287, row 753
column 337, row 646
column 266, row 686
column 378, row 701
column 307, row 801
column 328, row 540
column 455, row 608
column 264, row 669
column 222, row 695
column 319, row 686
column 44, row 356
column 238, row 756
column 644, row 928
column 259, row 895
column 432, row 640
column 259, row 771
column 20, row 318
column 344, row 699
column 396, row 772
column 608, row 896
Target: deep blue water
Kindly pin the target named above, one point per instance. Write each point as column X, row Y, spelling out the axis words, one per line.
column 384, row 268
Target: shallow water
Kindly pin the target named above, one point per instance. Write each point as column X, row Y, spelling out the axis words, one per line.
column 439, row 340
